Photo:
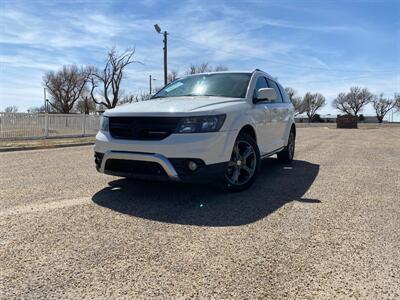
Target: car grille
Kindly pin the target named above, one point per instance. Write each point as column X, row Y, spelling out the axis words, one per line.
column 135, row 167
column 142, row 128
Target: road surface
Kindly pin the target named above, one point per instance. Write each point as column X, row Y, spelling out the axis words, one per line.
column 327, row 226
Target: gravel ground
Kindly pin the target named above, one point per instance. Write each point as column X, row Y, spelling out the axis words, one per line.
column 327, row 226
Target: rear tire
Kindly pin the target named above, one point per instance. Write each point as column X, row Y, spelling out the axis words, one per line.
column 287, row 154
column 243, row 166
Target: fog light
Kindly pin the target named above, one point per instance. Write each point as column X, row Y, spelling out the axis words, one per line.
column 192, row 166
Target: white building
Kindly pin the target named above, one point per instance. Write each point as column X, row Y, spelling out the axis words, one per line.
column 332, row 119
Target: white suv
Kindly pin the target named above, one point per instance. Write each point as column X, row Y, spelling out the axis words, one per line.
column 205, row 127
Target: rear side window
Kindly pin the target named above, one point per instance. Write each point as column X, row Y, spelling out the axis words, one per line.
column 273, row 85
column 284, row 94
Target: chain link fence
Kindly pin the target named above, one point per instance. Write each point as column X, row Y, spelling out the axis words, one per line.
column 34, row 125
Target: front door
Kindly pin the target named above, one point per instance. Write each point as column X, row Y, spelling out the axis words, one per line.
column 265, row 129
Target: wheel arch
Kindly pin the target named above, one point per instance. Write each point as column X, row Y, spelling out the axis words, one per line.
column 249, row 130
column 294, row 129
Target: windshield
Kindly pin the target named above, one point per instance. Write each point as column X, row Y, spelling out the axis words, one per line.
column 221, row 85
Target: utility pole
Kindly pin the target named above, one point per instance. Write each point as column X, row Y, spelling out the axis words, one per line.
column 165, row 34
column 150, row 83
column 45, row 104
column 165, row 59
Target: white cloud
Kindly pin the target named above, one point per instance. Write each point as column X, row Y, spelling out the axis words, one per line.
column 216, row 33
column 24, row 61
column 319, row 27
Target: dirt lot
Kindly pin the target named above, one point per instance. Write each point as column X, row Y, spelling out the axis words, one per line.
column 328, row 226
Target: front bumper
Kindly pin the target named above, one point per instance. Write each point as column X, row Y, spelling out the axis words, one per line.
column 156, row 167
column 211, row 147
column 166, row 159
column 142, row 157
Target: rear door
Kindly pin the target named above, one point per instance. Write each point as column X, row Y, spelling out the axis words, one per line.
column 279, row 115
column 288, row 113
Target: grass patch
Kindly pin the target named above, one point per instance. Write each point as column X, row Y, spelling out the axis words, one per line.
column 45, row 143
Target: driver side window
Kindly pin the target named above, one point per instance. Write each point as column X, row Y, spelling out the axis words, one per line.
column 273, row 85
column 260, row 84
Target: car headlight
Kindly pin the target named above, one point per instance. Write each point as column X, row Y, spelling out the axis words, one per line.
column 104, row 123
column 200, row 124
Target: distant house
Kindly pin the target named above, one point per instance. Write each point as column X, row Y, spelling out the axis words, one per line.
column 326, row 118
column 332, row 119
column 369, row 119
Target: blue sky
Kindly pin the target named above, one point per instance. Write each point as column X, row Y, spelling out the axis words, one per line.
column 317, row 46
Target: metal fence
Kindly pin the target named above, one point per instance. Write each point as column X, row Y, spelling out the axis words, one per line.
column 34, row 125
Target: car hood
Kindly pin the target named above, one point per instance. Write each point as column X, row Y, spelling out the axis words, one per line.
column 176, row 106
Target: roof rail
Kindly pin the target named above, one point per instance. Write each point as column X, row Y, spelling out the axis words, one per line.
column 269, row 75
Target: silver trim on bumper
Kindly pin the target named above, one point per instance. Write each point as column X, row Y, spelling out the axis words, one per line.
column 158, row 158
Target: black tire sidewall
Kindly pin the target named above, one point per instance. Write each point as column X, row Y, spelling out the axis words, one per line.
column 237, row 188
column 284, row 156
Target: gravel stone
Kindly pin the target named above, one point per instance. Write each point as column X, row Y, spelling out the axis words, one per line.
column 326, row 226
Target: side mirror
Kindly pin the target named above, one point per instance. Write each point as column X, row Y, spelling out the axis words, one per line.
column 266, row 94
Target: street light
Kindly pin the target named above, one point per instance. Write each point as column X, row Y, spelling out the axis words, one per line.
column 158, row 30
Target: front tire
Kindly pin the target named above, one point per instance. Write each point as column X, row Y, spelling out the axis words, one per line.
column 287, row 154
column 244, row 164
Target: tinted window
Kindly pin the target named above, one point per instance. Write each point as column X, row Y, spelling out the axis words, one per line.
column 223, row 85
column 284, row 94
column 260, row 84
column 273, row 85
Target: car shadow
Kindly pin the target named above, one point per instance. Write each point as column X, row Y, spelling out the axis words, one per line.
column 205, row 204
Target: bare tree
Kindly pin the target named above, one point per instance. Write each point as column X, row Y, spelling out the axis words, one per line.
column 220, row 68
column 172, row 76
column 11, row 109
column 195, row 69
column 353, row 102
column 383, row 105
column 108, row 81
column 36, row 109
column 86, row 104
column 204, row 68
column 295, row 99
column 141, row 96
column 397, row 99
column 312, row 103
column 127, row 99
column 66, row 86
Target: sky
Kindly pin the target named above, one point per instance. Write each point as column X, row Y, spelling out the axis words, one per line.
column 318, row 46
